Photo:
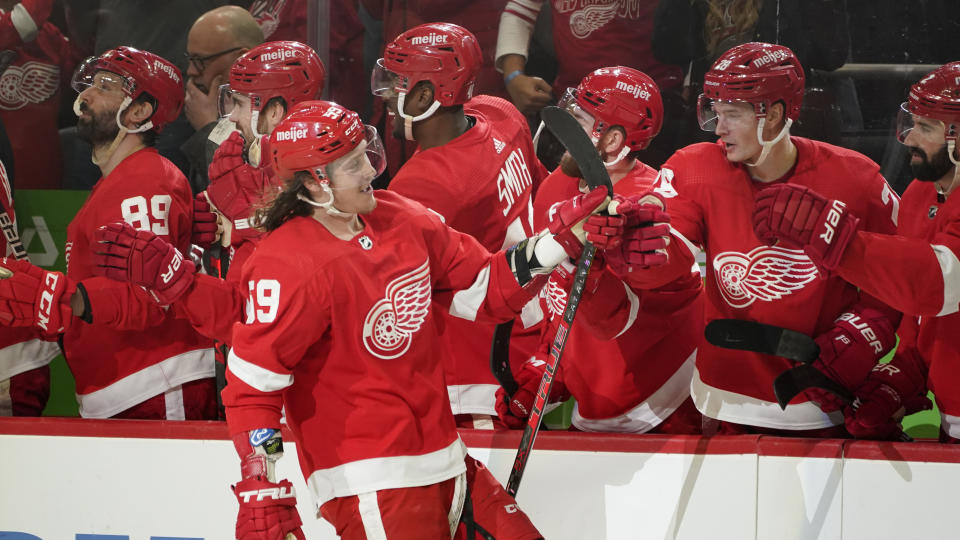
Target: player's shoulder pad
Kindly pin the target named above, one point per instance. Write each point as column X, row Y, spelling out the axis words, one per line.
column 842, row 160
column 493, row 109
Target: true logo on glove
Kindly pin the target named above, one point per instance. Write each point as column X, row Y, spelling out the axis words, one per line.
column 833, row 218
column 276, row 493
column 46, row 300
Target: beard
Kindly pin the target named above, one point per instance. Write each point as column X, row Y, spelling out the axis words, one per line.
column 933, row 168
column 99, row 128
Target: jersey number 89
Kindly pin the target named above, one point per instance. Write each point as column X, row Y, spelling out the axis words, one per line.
column 153, row 218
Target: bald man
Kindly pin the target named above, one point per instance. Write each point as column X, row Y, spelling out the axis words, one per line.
column 216, row 39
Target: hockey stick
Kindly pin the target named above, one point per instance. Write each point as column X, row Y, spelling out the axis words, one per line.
column 500, row 358
column 582, row 150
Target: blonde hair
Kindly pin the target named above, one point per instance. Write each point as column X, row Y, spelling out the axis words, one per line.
column 727, row 18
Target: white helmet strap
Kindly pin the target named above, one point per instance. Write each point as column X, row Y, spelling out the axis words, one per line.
column 104, row 157
column 768, row 145
column 409, row 120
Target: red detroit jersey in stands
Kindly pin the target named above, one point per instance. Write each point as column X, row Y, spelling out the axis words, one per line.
column 711, row 201
column 344, row 331
column 481, row 183
column 633, row 382
column 133, row 350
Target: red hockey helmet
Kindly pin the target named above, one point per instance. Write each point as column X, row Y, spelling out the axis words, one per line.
column 286, row 69
column 620, row 96
column 316, row 133
column 445, row 54
column 757, row 73
column 936, row 96
column 140, row 72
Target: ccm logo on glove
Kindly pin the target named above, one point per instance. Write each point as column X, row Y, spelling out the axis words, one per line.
column 276, row 493
column 833, row 218
column 46, row 300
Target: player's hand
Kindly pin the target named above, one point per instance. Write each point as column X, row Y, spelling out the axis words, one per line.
column 235, row 187
column 514, row 410
column 268, row 510
column 849, row 351
column 567, row 223
column 205, row 229
column 34, row 297
column 646, row 235
column 530, row 94
column 228, row 156
column 890, row 392
column 142, row 258
column 802, row 217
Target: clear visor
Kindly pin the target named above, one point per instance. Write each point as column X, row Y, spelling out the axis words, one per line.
column 231, row 100
column 361, row 165
column 918, row 128
column 733, row 113
column 586, row 120
column 383, row 82
column 88, row 74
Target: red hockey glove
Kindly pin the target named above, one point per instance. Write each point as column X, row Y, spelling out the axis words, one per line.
column 228, row 156
column 849, row 351
column 142, row 258
column 567, row 224
column 514, row 410
column 890, row 392
column 268, row 509
column 802, row 217
column 646, row 237
column 237, row 187
column 205, row 228
column 34, row 297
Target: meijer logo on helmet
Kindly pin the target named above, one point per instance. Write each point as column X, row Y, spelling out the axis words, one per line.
column 279, row 54
column 166, row 68
column 635, row 89
column 431, row 39
column 292, row 135
column 769, row 56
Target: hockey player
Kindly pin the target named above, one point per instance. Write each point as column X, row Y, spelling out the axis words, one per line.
column 751, row 97
column 24, row 357
column 640, row 381
column 917, row 271
column 475, row 167
column 135, row 362
column 339, row 332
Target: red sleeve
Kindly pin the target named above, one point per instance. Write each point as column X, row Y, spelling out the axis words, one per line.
column 121, row 305
column 23, row 21
column 428, row 187
column 287, row 313
column 212, row 306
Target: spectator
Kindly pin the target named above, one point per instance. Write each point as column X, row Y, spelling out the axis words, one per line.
column 135, row 362
column 474, row 167
column 629, row 372
column 752, row 96
column 215, row 41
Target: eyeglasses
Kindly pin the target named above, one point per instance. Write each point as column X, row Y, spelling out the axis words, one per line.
column 200, row 62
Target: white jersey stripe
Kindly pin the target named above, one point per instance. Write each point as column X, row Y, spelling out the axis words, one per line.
column 466, row 303
column 369, row 511
column 950, row 268
column 260, row 378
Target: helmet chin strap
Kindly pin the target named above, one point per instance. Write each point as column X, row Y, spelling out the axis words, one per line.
column 768, row 145
column 409, row 120
column 623, row 153
column 123, row 130
column 320, row 177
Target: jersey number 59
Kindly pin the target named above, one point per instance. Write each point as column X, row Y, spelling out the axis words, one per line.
column 263, row 301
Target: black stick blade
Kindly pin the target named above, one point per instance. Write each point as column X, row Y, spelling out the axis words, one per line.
column 791, row 382
column 762, row 338
column 571, row 134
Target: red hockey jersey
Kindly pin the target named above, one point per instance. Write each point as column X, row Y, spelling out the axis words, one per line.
column 482, row 184
column 343, row 335
column 918, row 271
column 633, row 382
column 711, row 201
column 133, row 350
column 20, row 349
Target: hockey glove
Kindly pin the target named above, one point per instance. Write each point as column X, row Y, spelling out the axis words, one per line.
column 143, row 258
column 567, row 224
column 849, row 351
column 205, row 227
column 890, row 392
column 646, row 236
column 514, row 410
column 34, row 297
column 236, row 187
column 800, row 216
column 268, row 509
